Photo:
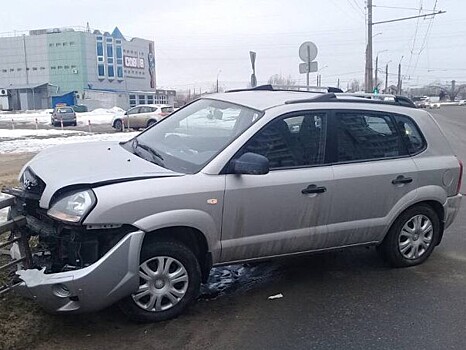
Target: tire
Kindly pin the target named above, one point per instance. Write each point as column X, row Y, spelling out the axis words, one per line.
column 118, row 125
column 137, row 306
column 410, row 242
column 151, row 122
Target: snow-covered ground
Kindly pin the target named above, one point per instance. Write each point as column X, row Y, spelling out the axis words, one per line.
column 40, row 133
column 33, row 144
column 97, row 116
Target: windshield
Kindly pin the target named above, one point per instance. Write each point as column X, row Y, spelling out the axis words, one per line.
column 187, row 140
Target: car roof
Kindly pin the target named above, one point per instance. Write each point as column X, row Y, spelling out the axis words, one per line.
column 265, row 99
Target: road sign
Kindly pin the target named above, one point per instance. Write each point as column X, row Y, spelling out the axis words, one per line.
column 303, row 68
column 308, row 51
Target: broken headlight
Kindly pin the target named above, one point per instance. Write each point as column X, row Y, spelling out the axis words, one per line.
column 73, row 206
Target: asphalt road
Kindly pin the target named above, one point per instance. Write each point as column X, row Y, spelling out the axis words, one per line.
column 341, row 300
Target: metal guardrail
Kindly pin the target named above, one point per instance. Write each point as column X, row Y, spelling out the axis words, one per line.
column 13, row 226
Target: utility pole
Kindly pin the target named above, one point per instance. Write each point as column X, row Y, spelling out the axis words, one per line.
column 398, row 87
column 338, row 83
column 368, row 83
column 376, row 83
column 386, row 79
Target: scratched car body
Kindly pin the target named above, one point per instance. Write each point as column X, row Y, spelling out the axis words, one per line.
column 233, row 177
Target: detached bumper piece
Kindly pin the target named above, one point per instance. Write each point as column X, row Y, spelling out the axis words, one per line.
column 17, row 244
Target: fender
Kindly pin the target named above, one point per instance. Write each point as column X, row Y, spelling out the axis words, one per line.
column 197, row 219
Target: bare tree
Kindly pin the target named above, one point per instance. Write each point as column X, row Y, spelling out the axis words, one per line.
column 355, row 85
column 279, row 79
column 451, row 90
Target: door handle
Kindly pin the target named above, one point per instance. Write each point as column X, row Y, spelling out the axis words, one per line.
column 313, row 189
column 401, row 179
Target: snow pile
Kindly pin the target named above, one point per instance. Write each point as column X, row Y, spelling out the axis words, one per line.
column 38, row 144
column 97, row 116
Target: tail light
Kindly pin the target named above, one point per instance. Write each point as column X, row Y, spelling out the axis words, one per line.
column 460, row 177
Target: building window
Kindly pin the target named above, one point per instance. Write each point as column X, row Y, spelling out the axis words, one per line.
column 109, row 50
column 99, row 38
column 111, row 71
column 42, row 68
column 100, row 49
column 118, row 41
column 110, row 60
column 100, row 59
column 109, row 40
column 101, row 70
column 53, row 67
column 12, row 69
column 51, row 44
column 59, row 67
column 65, row 44
column 4, row 71
column 119, row 53
column 58, row 44
column 132, row 100
column 142, row 99
column 34, row 68
column 19, row 69
column 73, row 66
column 119, row 72
column 72, row 43
column 150, row 99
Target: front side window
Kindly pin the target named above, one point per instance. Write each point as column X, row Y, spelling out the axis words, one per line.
column 188, row 139
column 135, row 110
column 294, row 141
column 365, row 136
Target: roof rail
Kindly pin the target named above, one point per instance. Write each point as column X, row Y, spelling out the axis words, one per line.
column 332, row 97
column 292, row 88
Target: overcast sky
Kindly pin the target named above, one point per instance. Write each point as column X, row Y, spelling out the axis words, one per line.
column 197, row 39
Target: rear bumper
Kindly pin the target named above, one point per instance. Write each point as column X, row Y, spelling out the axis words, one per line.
column 111, row 278
column 451, row 208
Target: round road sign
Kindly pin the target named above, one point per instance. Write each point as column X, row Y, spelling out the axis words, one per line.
column 304, row 51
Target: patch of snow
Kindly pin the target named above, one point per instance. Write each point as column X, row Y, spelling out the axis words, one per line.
column 38, row 144
column 97, row 116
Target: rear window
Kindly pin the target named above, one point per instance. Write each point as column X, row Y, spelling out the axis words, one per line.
column 64, row 110
column 167, row 109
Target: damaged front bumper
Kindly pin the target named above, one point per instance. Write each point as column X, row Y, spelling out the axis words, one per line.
column 111, row 278
column 68, row 268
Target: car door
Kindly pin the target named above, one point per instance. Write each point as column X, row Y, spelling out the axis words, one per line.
column 143, row 116
column 373, row 173
column 286, row 210
column 131, row 117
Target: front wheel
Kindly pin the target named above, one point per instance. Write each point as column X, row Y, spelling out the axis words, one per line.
column 412, row 237
column 169, row 280
column 118, row 125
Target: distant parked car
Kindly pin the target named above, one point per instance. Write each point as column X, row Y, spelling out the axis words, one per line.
column 80, row 108
column 434, row 105
column 462, row 103
column 420, row 101
column 141, row 116
column 65, row 114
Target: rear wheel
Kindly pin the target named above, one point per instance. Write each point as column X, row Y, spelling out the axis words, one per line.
column 169, row 280
column 151, row 122
column 118, row 125
column 412, row 237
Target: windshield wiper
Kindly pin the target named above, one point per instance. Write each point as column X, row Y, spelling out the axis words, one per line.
column 157, row 157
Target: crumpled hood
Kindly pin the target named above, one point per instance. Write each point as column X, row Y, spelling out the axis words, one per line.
column 89, row 164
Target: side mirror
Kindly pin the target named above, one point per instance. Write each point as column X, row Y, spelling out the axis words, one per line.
column 250, row 163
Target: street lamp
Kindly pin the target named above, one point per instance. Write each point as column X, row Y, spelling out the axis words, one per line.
column 319, row 77
column 219, row 71
column 377, row 67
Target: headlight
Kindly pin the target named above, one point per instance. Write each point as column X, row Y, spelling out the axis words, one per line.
column 73, row 207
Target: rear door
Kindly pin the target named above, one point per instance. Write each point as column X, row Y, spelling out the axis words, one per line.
column 131, row 117
column 286, row 210
column 373, row 173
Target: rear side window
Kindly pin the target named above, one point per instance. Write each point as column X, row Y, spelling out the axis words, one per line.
column 410, row 134
column 366, row 136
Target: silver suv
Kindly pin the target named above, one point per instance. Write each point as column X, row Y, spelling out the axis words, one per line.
column 233, row 177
